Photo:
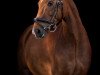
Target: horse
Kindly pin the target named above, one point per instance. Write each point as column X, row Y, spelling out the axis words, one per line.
column 56, row 43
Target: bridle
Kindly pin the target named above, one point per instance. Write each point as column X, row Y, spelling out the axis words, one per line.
column 53, row 21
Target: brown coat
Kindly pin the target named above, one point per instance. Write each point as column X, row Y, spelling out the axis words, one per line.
column 66, row 51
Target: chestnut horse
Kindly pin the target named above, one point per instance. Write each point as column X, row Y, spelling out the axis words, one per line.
column 57, row 42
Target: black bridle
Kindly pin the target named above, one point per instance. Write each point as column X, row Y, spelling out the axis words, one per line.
column 53, row 21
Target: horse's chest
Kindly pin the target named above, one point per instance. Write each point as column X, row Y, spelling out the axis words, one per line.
column 62, row 59
column 63, row 62
column 49, row 59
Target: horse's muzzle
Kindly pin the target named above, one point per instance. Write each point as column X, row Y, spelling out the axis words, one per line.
column 38, row 32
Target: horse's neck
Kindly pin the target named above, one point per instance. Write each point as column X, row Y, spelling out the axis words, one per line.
column 71, row 29
column 72, row 19
column 75, row 25
column 60, row 38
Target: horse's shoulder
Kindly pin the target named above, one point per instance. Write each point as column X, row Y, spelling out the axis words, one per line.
column 26, row 33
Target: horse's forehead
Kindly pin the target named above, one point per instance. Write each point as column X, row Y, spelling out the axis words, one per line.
column 41, row 1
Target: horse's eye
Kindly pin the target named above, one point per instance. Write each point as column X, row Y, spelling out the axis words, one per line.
column 50, row 3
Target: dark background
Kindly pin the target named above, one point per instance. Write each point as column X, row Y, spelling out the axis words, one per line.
column 19, row 16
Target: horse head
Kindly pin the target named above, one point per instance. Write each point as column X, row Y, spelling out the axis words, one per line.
column 48, row 17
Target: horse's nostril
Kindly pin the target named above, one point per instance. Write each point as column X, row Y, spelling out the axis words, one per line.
column 39, row 33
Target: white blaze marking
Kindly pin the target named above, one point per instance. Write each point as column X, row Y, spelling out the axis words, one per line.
column 33, row 32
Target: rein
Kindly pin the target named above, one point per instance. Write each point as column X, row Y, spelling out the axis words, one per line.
column 53, row 21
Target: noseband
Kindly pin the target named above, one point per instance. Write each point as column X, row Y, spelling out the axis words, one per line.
column 53, row 21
